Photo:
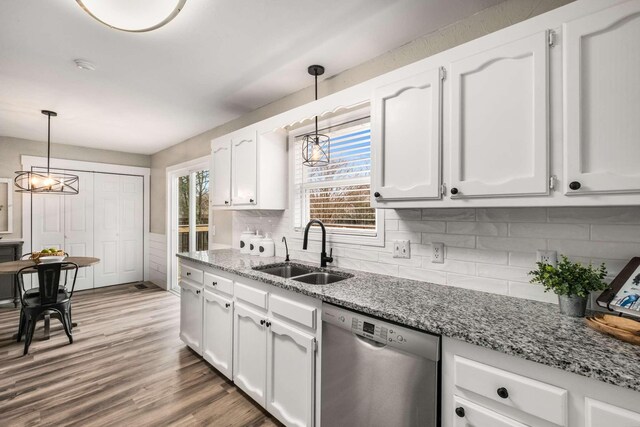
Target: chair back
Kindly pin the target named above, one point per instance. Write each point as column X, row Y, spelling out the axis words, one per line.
column 49, row 279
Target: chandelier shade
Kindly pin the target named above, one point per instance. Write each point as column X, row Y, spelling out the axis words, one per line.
column 316, row 147
column 46, row 181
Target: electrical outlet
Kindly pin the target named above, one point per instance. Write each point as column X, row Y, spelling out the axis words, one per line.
column 437, row 256
column 547, row 257
column 402, row 249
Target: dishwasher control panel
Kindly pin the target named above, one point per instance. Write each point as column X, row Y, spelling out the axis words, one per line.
column 382, row 332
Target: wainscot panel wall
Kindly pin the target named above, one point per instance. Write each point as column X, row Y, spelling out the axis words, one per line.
column 489, row 250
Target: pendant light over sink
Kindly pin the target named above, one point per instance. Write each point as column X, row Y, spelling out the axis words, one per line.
column 48, row 182
column 316, row 147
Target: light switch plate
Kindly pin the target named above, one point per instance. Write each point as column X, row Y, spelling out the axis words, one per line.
column 437, row 254
column 402, row 249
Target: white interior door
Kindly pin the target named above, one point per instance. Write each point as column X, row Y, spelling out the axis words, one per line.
column 499, row 114
column 130, row 229
column 78, row 230
column 106, row 238
column 221, row 173
column 602, row 101
column 405, row 133
column 244, row 157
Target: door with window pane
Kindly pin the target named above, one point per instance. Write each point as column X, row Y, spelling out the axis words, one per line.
column 193, row 211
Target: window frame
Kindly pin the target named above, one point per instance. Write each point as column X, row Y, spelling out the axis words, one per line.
column 333, row 236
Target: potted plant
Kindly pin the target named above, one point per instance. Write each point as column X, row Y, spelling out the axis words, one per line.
column 572, row 282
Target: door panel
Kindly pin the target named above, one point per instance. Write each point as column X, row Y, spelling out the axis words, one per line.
column 106, row 219
column 217, row 340
column 290, row 375
column 191, row 316
column 244, row 160
column 250, row 352
column 602, row 129
column 79, row 226
column 130, row 229
column 221, row 173
column 406, row 138
column 499, row 115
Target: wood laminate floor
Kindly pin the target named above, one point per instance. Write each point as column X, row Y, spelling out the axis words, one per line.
column 126, row 367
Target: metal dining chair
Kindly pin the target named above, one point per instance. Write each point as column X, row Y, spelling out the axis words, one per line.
column 33, row 291
column 50, row 298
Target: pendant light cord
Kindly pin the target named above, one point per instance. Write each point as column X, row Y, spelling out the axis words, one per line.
column 48, row 142
column 316, row 85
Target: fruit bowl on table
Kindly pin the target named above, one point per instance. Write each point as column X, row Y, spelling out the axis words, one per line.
column 48, row 257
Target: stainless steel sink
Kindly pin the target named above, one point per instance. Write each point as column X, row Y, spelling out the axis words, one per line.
column 321, row 278
column 285, row 270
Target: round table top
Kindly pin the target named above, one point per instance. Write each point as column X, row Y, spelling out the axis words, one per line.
column 12, row 267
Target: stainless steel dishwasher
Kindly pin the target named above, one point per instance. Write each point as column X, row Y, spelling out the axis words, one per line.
column 375, row 373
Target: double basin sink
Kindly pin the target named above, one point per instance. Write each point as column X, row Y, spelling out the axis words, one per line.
column 303, row 273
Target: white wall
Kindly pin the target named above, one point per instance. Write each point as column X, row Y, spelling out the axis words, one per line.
column 485, row 249
column 158, row 259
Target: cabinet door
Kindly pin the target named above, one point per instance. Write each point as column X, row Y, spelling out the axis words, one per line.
column 598, row 414
column 191, row 316
column 406, row 136
column 602, row 89
column 244, row 169
column 221, row 173
column 290, row 374
column 78, row 228
column 469, row 414
column 499, row 115
column 250, row 352
column 217, row 339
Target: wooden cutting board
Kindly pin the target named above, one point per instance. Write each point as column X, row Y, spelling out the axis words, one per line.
column 618, row 327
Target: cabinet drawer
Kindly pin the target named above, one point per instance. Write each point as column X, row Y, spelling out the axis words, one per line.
column 301, row 313
column 466, row 413
column 533, row 397
column 251, row 295
column 218, row 283
column 192, row 274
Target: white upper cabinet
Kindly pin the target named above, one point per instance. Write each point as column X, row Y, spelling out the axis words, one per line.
column 221, row 172
column 244, row 168
column 406, row 135
column 602, row 101
column 249, row 170
column 499, row 114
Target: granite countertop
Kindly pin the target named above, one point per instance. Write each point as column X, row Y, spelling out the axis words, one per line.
column 530, row 330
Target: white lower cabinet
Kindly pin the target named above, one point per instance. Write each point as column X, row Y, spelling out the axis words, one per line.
column 290, row 374
column 191, row 315
column 217, row 337
column 250, row 352
column 598, row 414
column 469, row 414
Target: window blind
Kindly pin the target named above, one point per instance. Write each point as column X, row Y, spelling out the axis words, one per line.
column 338, row 194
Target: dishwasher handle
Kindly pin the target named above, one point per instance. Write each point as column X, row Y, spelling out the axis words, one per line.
column 369, row 341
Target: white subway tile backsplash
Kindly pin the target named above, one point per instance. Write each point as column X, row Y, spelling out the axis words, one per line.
column 551, row 231
column 478, row 228
column 512, row 215
column 615, row 233
column 454, row 240
column 422, row 226
column 454, row 214
column 489, row 249
column 511, row 243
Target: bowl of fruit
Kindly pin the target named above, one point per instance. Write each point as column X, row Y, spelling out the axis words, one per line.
column 48, row 255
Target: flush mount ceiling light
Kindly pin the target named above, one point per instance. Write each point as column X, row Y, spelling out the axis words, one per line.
column 46, row 182
column 316, row 147
column 136, row 16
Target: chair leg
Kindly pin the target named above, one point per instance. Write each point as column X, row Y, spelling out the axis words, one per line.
column 21, row 325
column 66, row 322
column 31, row 327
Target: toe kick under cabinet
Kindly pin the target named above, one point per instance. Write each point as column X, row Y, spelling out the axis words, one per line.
column 485, row 388
column 264, row 338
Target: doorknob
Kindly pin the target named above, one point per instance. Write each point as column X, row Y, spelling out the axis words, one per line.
column 575, row 185
column 376, row 195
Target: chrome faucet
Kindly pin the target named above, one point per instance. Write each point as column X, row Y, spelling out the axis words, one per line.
column 284, row 239
column 324, row 259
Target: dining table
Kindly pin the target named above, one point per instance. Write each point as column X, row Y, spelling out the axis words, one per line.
column 12, row 267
